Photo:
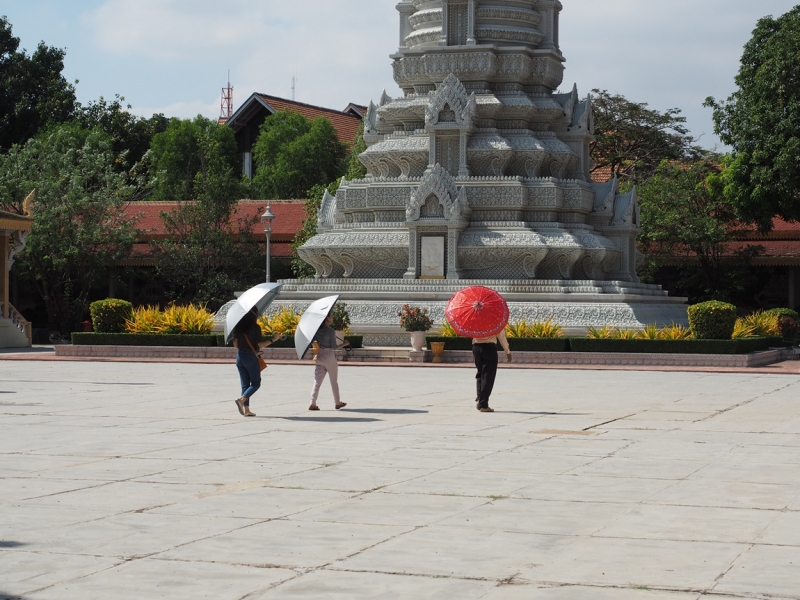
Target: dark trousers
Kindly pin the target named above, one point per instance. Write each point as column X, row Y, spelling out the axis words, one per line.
column 486, row 362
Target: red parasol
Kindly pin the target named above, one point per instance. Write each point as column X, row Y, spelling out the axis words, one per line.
column 477, row 312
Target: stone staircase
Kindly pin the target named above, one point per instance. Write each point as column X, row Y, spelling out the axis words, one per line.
column 15, row 331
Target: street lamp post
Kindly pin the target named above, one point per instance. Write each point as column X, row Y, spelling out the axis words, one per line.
column 266, row 221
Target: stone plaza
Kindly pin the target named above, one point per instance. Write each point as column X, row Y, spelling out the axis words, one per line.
column 140, row 480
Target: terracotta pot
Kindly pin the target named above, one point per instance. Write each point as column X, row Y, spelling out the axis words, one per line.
column 438, row 349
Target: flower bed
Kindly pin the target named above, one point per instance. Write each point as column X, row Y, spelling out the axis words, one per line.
column 578, row 344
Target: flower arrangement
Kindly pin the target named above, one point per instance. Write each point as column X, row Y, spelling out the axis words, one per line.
column 414, row 318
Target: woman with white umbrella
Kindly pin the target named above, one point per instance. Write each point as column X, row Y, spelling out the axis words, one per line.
column 248, row 340
column 241, row 328
column 327, row 363
column 315, row 326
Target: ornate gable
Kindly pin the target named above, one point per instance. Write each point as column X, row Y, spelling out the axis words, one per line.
column 438, row 184
column 451, row 100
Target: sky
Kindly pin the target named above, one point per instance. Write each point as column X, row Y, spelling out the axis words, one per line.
column 173, row 56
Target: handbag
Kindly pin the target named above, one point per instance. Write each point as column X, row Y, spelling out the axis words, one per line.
column 262, row 364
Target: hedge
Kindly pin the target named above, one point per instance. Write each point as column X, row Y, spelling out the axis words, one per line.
column 109, row 315
column 738, row 346
column 577, row 344
column 142, row 339
column 538, row 344
column 712, row 320
column 356, row 341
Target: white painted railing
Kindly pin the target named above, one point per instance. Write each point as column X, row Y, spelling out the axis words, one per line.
column 19, row 322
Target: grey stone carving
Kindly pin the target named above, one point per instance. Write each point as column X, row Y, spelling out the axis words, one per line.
column 481, row 151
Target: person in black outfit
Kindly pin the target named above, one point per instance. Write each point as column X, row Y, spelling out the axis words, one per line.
column 484, row 351
column 248, row 340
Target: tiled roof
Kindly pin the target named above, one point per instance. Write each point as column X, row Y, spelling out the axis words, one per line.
column 345, row 124
column 289, row 215
column 602, row 175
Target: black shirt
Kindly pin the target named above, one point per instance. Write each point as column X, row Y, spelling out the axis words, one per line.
column 253, row 334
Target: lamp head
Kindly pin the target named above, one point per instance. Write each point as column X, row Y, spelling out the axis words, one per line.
column 266, row 219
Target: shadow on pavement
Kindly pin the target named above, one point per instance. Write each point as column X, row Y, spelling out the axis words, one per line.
column 7, row 544
column 32, row 350
column 7, row 596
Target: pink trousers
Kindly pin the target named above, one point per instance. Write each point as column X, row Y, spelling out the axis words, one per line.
column 326, row 363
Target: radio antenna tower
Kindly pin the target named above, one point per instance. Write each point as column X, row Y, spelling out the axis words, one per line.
column 226, row 106
column 294, row 82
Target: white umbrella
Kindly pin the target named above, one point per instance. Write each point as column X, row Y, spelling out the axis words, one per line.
column 259, row 297
column 311, row 321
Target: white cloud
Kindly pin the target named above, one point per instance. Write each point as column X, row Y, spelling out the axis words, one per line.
column 669, row 53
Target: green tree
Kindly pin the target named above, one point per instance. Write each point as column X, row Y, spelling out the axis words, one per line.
column 355, row 170
column 685, row 217
column 33, row 91
column 186, row 153
column 631, row 139
column 131, row 135
column 761, row 122
column 293, row 154
column 209, row 254
column 79, row 222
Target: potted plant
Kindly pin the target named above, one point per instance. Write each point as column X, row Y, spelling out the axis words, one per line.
column 417, row 321
column 341, row 319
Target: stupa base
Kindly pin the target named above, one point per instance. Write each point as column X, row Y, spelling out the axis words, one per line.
column 575, row 305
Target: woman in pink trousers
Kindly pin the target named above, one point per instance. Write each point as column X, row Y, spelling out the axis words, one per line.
column 326, row 363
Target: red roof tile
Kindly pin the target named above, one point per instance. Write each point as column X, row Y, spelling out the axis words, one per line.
column 345, row 124
column 289, row 215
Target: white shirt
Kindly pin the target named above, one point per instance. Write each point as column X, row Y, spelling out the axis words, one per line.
column 493, row 339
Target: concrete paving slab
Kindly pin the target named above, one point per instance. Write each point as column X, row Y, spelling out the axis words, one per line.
column 343, row 585
column 170, row 580
column 531, row 516
column 729, row 494
column 772, row 568
column 632, row 563
column 392, row 509
column 287, row 544
column 690, row 523
column 575, row 592
column 783, row 531
column 25, row 572
column 645, row 468
column 583, row 484
column 586, row 488
column 351, row 478
column 251, row 500
column 459, row 552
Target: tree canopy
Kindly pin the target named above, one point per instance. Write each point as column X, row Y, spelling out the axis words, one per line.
column 209, row 255
column 761, row 122
column 686, row 218
column 188, row 152
column 33, row 91
column 79, row 224
column 631, row 139
column 293, row 154
column 131, row 135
